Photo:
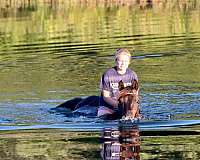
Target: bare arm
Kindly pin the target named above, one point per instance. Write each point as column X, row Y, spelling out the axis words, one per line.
column 108, row 99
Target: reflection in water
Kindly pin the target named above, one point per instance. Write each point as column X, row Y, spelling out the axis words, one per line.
column 120, row 144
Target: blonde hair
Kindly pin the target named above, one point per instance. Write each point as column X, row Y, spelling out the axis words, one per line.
column 122, row 51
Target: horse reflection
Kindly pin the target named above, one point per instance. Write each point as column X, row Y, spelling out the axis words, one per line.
column 120, row 144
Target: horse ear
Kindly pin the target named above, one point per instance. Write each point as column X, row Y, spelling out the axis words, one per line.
column 121, row 85
column 135, row 84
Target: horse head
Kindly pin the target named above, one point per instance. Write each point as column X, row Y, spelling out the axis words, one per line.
column 129, row 100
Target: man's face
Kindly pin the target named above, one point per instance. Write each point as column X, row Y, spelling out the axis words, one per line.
column 122, row 62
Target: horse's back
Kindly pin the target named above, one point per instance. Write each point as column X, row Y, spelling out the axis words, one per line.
column 80, row 106
column 70, row 104
column 89, row 101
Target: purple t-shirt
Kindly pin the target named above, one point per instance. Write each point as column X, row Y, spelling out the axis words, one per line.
column 110, row 79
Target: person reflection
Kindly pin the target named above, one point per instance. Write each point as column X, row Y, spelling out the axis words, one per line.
column 122, row 143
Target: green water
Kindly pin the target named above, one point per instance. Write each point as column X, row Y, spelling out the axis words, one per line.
column 48, row 48
column 51, row 52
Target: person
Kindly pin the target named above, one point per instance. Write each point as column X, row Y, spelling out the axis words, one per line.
column 109, row 82
column 105, row 106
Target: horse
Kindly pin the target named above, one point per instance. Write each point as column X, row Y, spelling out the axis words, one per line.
column 129, row 101
column 128, row 107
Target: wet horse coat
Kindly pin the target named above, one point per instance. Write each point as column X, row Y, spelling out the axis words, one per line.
column 129, row 100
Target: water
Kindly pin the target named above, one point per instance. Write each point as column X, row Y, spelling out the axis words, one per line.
column 50, row 53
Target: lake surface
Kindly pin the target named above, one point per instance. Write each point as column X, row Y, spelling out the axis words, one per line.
column 52, row 52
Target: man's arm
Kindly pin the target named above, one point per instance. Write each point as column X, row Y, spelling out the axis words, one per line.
column 108, row 99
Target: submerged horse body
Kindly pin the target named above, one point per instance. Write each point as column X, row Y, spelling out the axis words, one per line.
column 128, row 107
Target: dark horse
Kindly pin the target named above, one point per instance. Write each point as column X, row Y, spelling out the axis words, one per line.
column 128, row 107
column 129, row 100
